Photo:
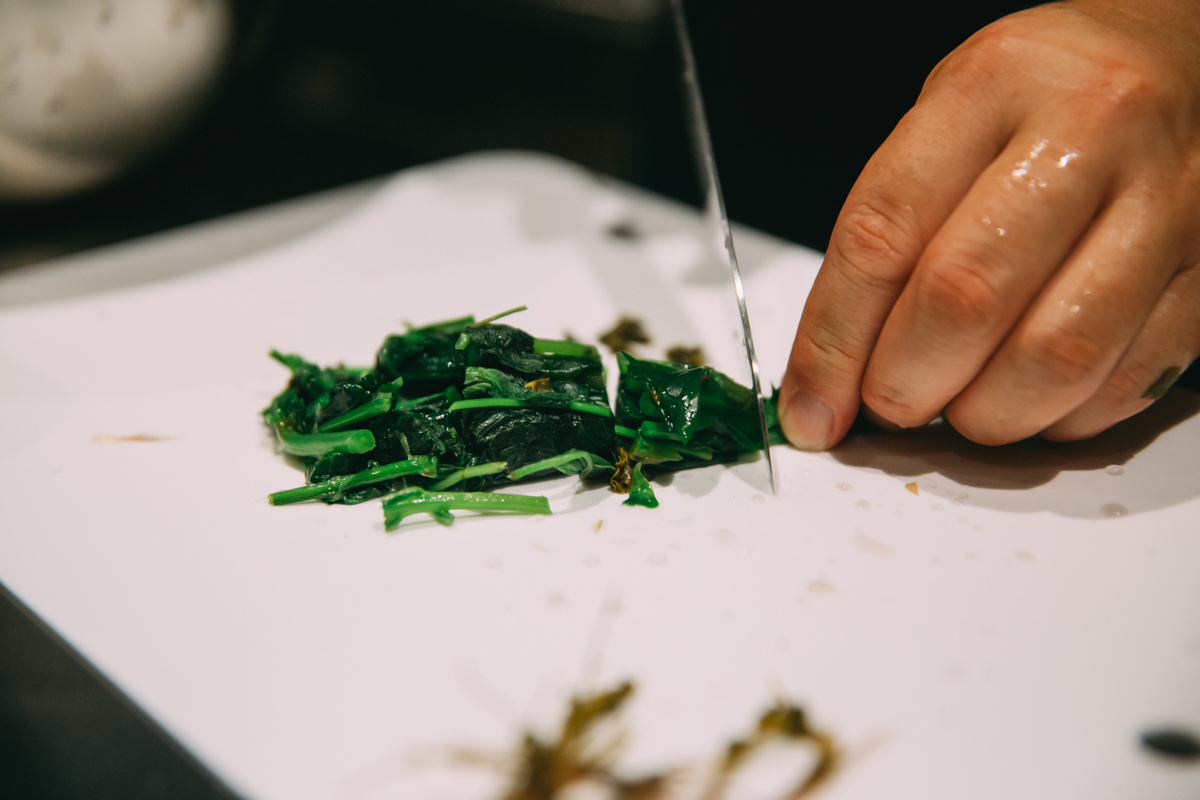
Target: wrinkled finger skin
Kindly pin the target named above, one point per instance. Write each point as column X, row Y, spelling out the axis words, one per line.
column 1022, row 255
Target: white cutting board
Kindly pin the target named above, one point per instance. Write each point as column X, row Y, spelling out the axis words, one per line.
column 998, row 635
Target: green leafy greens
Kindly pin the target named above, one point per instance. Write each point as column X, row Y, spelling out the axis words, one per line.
column 453, row 409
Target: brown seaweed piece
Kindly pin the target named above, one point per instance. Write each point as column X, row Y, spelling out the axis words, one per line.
column 787, row 722
column 688, row 356
column 544, row 769
column 628, row 331
column 622, row 479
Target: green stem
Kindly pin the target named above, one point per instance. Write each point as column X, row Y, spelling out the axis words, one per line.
column 560, row 347
column 335, row 486
column 380, row 404
column 437, row 503
column 589, row 462
column 494, row 317
column 628, row 433
column 508, row 402
column 416, row 401
column 318, row 444
column 458, row 475
column 701, row 452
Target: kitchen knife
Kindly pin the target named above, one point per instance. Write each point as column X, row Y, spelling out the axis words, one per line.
column 714, row 211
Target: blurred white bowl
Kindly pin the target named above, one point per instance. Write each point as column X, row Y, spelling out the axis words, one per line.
column 88, row 87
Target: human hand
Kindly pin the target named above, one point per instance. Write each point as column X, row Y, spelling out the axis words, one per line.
column 1022, row 255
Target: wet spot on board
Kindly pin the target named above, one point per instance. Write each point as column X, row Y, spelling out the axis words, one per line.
column 624, row 231
column 1114, row 510
column 1173, row 743
column 821, row 587
column 871, row 545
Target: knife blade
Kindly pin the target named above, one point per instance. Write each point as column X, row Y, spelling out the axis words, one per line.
column 714, row 210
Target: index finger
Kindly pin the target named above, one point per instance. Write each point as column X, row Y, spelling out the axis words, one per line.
column 905, row 193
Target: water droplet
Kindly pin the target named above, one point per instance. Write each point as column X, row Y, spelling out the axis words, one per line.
column 493, row 563
column 657, row 559
column 932, row 485
column 592, row 561
column 1114, row 510
column 937, row 506
column 844, row 487
column 963, row 496
column 757, row 498
column 863, row 505
column 1115, row 469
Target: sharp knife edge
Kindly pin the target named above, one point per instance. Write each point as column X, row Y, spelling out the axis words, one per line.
column 714, row 210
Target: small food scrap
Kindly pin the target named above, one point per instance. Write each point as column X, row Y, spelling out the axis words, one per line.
column 688, row 356
column 1172, row 743
column 628, row 331
column 784, row 722
column 1158, row 389
column 137, row 437
column 912, row 487
column 624, row 230
column 579, row 757
column 599, row 525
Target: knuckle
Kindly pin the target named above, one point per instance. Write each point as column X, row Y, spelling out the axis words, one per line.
column 1127, row 383
column 1067, row 356
column 876, row 238
column 892, row 404
column 980, row 62
column 822, row 346
column 958, row 292
column 1128, row 90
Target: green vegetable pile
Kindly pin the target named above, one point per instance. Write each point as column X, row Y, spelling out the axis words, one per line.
column 452, row 410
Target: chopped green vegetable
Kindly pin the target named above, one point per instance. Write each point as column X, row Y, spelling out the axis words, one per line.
column 572, row 462
column 396, row 508
column 640, row 491
column 381, row 404
column 473, row 405
column 422, row 465
column 460, row 475
column 318, row 444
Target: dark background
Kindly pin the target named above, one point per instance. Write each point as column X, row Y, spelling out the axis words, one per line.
column 325, row 92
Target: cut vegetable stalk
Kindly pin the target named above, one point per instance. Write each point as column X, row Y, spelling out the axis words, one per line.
column 318, row 444
column 506, row 402
column 396, row 508
column 572, row 462
column 561, row 347
column 380, row 404
column 422, row 465
column 460, row 475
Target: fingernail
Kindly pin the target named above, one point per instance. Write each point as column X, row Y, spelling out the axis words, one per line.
column 807, row 421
